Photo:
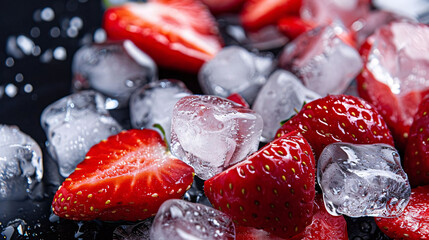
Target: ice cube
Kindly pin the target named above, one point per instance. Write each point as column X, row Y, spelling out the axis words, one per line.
column 154, row 103
column 139, row 231
column 21, row 164
column 363, row 180
column 73, row 125
column 114, row 69
column 410, row 8
column 278, row 100
column 324, row 63
column 211, row 133
column 235, row 70
column 182, row 220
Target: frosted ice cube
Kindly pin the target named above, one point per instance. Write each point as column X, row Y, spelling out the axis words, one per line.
column 73, row 125
column 324, row 63
column 211, row 133
column 154, row 103
column 363, row 180
column 21, row 164
column 278, row 99
column 235, row 70
column 182, row 220
column 139, row 231
column 114, row 69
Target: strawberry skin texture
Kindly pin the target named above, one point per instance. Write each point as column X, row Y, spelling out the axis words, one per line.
column 126, row 177
column 338, row 118
column 273, row 189
column 257, row 14
column 178, row 34
column 413, row 223
column 416, row 160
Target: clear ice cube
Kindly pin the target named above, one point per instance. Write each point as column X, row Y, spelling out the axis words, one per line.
column 235, row 70
column 278, row 100
column 211, row 133
column 21, row 163
column 363, row 180
column 182, row 220
column 324, row 63
column 138, row 231
column 114, row 69
column 154, row 103
column 73, row 125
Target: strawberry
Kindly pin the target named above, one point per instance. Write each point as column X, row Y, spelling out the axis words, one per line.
column 224, row 6
column 416, row 160
column 257, row 14
column 338, row 118
column 293, row 26
column 272, row 189
column 126, row 177
column 179, row 34
column 393, row 85
column 237, row 98
column 324, row 226
column 413, row 223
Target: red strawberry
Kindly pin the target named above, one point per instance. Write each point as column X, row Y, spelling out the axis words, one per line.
column 257, row 14
column 413, row 223
column 416, row 160
column 338, row 118
column 224, row 6
column 272, row 189
column 324, row 226
column 178, row 34
column 126, row 177
column 394, row 78
column 293, row 26
column 237, row 98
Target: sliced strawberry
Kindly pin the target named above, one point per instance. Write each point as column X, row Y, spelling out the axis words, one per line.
column 260, row 13
column 394, row 78
column 224, row 6
column 273, row 189
column 293, row 26
column 237, row 98
column 323, row 227
column 179, row 34
column 126, row 177
column 413, row 223
column 416, row 160
column 338, row 118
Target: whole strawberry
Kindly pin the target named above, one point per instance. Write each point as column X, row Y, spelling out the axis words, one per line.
column 413, row 223
column 272, row 189
column 338, row 118
column 126, row 177
column 416, row 160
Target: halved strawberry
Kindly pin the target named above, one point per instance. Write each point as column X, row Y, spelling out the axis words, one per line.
column 126, row 177
column 260, row 13
column 416, row 160
column 237, row 98
column 179, row 34
column 338, row 118
column 272, row 189
column 323, row 227
column 394, row 79
column 413, row 222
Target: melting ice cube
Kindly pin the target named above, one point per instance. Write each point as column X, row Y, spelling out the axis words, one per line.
column 363, row 180
column 235, row 70
column 211, row 133
column 21, row 165
column 154, row 103
column 278, row 99
column 324, row 63
column 114, row 69
column 182, row 220
column 73, row 125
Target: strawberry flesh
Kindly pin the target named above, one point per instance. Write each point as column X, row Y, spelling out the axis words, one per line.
column 237, row 98
column 126, row 177
column 273, row 189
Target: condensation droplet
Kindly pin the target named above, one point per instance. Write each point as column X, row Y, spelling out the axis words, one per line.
column 47, row 14
column 35, row 32
column 36, row 16
column 55, row 32
column 72, row 32
column 11, row 90
column 28, row 88
column 19, row 77
column 100, row 35
column 76, row 22
column 37, row 51
column 60, row 53
column 46, row 56
column 25, row 44
column 10, row 62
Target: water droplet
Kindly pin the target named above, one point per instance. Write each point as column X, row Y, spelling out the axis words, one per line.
column 76, row 22
column 47, row 14
column 10, row 62
column 46, row 56
column 100, row 35
column 28, row 88
column 19, row 77
column 55, row 32
column 25, row 44
column 11, row 90
column 60, row 53
column 36, row 51
column 35, row 32
column 72, row 32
